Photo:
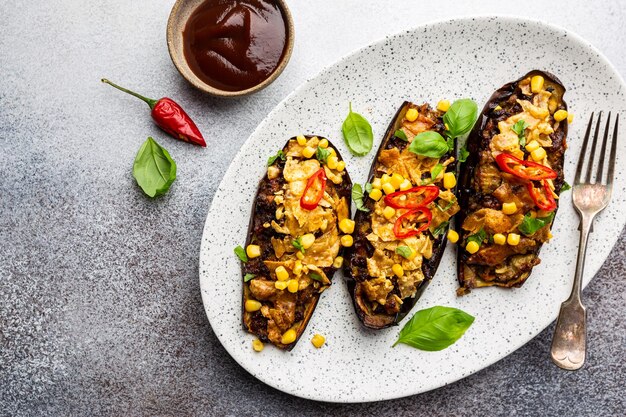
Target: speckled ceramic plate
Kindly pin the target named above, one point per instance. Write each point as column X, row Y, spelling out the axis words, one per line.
column 451, row 59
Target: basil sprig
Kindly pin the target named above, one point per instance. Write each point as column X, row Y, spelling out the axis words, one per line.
column 529, row 225
column 280, row 154
column 154, row 169
column 357, row 133
column 322, row 154
column 435, row 328
column 358, row 196
column 520, row 129
column 241, row 254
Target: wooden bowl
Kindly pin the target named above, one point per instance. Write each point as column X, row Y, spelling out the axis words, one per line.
column 179, row 16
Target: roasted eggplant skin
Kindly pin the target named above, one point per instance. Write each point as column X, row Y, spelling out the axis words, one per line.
column 500, row 106
column 355, row 265
column 263, row 214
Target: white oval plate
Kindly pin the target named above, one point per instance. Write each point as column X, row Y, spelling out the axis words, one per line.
column 450, row 59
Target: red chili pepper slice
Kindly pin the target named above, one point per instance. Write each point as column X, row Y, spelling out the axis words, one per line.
column 542, row 196
column 308, row 201
column 415, row 197
column 527, row 170
column 418, row 215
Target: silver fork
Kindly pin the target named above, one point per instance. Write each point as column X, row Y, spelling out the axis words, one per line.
column 590, row 194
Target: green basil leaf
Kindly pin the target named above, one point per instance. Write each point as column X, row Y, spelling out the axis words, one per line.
column 241, row 254
column 316, row 276
column 357, row 133
column 460, row 117
column 565, row 187
column 450, row 142
column 154, row 169
column 436, row 171
column 404, row 251
column 435, row 328
column 439, row 230
column 478, row 237
column 280, row 154
column 401, row 135
column 520, row 129
column 463, row 154
column 358, row 196
column 430, row 144
column 248, row 277
column 322, row 154
column 529, row 225
column 297, row 243
column 368, row 188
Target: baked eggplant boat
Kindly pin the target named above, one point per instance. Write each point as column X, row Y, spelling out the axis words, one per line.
column 295, row 238
column 509, row 185
column 400, row 232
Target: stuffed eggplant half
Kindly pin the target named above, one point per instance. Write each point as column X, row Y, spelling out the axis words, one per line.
column 509, row 186
column 295, row 238
column 401, row 226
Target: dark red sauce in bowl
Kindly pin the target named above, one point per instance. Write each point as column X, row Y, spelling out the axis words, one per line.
column 234, row 45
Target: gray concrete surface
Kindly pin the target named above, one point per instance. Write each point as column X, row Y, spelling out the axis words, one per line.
column 100, row 309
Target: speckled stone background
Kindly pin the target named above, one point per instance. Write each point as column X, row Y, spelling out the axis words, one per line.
column 100, row 308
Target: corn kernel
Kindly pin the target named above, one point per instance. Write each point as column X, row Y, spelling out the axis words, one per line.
column 396, row 180
column 449, row 180
column 257, row 345
column 288, row 337
column 472, row 247
column 385, row 179
column 509, row 208
column 518, row 153
column 411, row 115
column 301, row 140
column 338, row 262
column 323, row 143
column 253, row 251
column 533, row 214
column 281, row 273
column 376, row 194
column 498, row 108
column 252, row 305
column 341, row 165
column 377, row 183
column 536, row 83
column 300, row 255
column 307, row 240
column 513, row 239
column 499, row 239
column 388, row 188
column 280, row 285
column 346, row 241
column 453, row 236
column 389, row 212
column 398, row 270
column 560, row 115
column 570, row 117
column 532, row 145
column 414, row 253
column 292, row 285
column 406, row 184
column 318, row 340
column 297, row 267
column 538, row 154
column 308, row 152
column 346, row 226
column 332, row 162
column 550, row 235
column 443, row 105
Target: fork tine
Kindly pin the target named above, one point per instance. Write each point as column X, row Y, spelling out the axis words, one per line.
column 583, row 152
column 613, row 153
column 599, row 176
column 593, row 149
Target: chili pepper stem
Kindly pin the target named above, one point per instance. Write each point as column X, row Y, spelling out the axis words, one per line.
column 150, row 101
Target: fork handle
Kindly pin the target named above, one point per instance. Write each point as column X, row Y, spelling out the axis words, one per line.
column 569, row 342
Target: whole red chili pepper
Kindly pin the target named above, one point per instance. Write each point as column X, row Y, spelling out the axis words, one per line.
column 310, row 202
column 419, row 213
column 169, row 116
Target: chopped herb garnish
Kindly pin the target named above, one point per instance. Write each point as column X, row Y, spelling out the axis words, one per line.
column 368, row 187
column 357, row 197
column 241, row 254
column 297, row 243
column 529, row 225
column 520, row 128
column 316, row 277
column 280, row 154
column 439, row 230
column 401, row 135
column 322, row 154
column 404, row 251
column 463, row 154
column 248, row 277
column 478, row 237
column 565, row 187
column 447, row 207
